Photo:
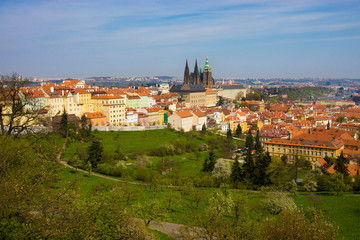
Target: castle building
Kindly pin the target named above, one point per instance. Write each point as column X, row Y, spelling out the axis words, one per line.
column 199, row 77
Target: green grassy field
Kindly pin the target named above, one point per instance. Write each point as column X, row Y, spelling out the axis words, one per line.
column 343, row 210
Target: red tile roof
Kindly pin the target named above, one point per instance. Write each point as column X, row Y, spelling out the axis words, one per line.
column 184, row 114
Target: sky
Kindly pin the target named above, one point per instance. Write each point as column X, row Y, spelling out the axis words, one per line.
column 243, row 39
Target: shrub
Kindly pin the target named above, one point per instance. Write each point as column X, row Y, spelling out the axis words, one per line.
column 111, row 170
column 203, row 147
column 278, row 202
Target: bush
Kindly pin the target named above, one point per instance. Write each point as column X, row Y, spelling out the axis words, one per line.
column 107, row 169
column 294, row 225
column 143, row 174
column 278, row 202
column 203, row 147
column 82, row 153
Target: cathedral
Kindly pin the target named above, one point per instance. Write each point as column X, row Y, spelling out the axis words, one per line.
column 199, row 77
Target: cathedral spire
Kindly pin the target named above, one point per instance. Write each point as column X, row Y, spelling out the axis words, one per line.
column 196, row 79
column 186, row 73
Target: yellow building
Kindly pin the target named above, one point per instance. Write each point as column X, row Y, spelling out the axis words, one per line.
column 210, row 97
column 54, row 102
column 112, row 106
column 310, row 149
column 83, row 98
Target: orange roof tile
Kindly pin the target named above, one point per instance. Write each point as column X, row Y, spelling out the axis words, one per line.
column 184, row 114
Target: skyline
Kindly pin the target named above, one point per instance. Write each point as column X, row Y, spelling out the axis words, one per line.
column 243, row 39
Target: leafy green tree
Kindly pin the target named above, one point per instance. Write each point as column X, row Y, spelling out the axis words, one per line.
column 236, row 172
column 256, row 96
column 221, row 170
column 340, row 165
column 238, row 131
column 64, row 128
column 209, row 163
column 95, row 152
column 340, row 119
column 203, row 129
column 262, row 162
column 249, row 166
column 249, row 143
column 149, row 211
column 258, row 145
column 279, row 174
column 294, row 225
column 228, row 133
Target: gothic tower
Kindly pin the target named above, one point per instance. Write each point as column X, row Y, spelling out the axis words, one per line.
column 207, row 76
column 196, row 77
column 186, row 74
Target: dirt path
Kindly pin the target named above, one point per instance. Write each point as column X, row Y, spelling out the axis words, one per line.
column 173, row 230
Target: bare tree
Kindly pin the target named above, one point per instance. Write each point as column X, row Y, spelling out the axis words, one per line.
column 14, row 118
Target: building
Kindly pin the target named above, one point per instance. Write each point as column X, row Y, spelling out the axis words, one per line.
column 199, row 119
column 192, row 95
column 181, row 120
column 95, row 118
column 231, row 91
column 199, row 77
column 312, row 145
column 112, row 106
column 210, row 98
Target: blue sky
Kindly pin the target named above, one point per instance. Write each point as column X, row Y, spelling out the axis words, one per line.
column 245, row 38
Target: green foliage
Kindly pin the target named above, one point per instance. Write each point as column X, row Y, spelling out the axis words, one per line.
column 95, row 152
column 64, row 124
column 249, row 141
column 249, row 166
column 238, row 131
column 228, row 133
column 294, row 225
column 149, row 211
column 209, row 163
column 221, row 170
column 203, row 129
column 340, row 119
column 236, row 172
column 262, row 162
column 277, row 202
column 258, row 145
column 340, row 165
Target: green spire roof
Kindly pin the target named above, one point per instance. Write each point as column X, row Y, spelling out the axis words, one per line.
column 207, row 66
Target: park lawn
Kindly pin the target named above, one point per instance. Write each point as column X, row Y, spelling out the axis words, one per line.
column 137, row 140
column 343, row 210
column 188, row 163
column 84, row 182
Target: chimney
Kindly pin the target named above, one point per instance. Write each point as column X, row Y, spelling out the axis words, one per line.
column 63, row 92
column 51, row 89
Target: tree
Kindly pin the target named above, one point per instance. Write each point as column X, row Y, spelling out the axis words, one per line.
column 95, row 152
column 249, row 143
column 278, row 173
column 18, row 113
column 149, row 211
column 236, row 172
column 294, row 225
column 203, row 129
column 256, row 96
column 258, row 145
column 64, row 127
column 262, row 162
column 228, row 133
column 209, row 163
column 340, row 165
column 238, row 131
column 221, row 170
column 340, row 119
column 249, row 166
